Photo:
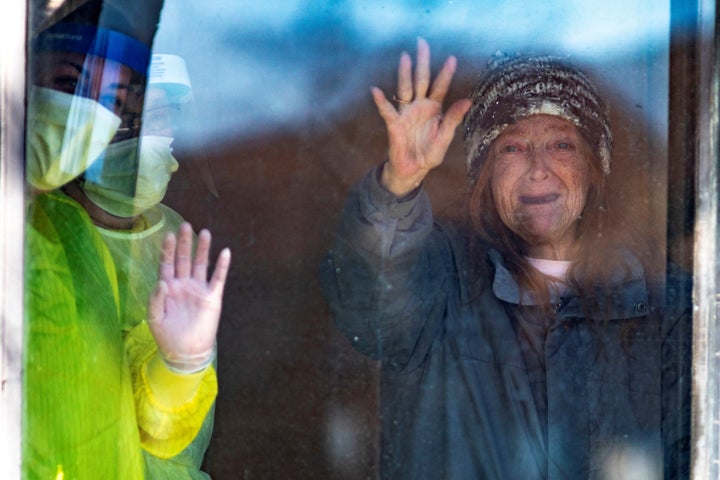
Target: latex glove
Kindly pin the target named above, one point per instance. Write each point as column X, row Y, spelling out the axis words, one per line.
column 184, row 309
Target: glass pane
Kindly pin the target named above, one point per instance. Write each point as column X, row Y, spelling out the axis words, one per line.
column 405, row 352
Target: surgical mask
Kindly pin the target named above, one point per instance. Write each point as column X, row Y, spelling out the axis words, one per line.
column 66, row 134
column 133, row 175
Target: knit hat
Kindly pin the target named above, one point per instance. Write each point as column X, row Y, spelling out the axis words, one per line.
column 516, row 87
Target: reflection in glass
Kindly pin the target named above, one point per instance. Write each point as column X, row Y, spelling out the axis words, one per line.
column 119, row 379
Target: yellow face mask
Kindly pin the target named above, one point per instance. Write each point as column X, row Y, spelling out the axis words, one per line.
column 65, row 135
column 133, row 175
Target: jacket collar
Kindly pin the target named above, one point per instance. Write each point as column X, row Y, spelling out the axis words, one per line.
column 630, row 300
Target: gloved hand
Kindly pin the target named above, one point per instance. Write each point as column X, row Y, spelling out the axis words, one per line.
column 184, row 309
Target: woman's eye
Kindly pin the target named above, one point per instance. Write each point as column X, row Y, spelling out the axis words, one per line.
column 510, row 148
column 112, row 102
column 564, row 146
column 66, row 84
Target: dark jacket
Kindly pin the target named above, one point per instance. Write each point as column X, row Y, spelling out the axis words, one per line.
column 478, row 384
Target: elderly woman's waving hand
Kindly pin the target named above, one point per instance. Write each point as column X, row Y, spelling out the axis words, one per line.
column 418, row 132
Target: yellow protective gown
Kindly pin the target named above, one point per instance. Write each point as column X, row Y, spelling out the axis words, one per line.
column 88, row 411
column 136, row 254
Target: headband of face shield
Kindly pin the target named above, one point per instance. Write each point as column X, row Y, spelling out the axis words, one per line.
column 168, row 94
column 67, row 133
column 92, row 40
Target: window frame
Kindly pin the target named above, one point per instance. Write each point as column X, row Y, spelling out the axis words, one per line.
column 706, row 294
column 694, row 132
column 13, row 56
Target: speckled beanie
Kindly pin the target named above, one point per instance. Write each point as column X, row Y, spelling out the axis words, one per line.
column 516, row 87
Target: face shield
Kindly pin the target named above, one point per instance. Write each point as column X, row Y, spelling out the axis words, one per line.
column 126, row 188
column 170, row 109
column 84, row 81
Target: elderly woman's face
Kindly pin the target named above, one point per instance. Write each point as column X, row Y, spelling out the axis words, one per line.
column 539, row 183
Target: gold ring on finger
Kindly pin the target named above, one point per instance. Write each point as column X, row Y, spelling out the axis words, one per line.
column 400, row 100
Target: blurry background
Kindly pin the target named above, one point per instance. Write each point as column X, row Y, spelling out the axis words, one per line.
column 283, row 125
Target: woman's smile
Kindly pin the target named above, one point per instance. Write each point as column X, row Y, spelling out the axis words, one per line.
column 539, row 199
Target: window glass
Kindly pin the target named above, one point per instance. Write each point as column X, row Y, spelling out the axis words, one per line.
column 255, row 120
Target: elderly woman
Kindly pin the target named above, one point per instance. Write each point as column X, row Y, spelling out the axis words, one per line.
column 523, row 342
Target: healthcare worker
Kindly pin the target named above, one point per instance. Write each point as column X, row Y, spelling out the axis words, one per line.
column 104, row 397
column 123, row 189
column 122, row 192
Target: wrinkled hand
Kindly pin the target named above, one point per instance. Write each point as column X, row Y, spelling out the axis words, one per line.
column 418, row 133
column 184, row 309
